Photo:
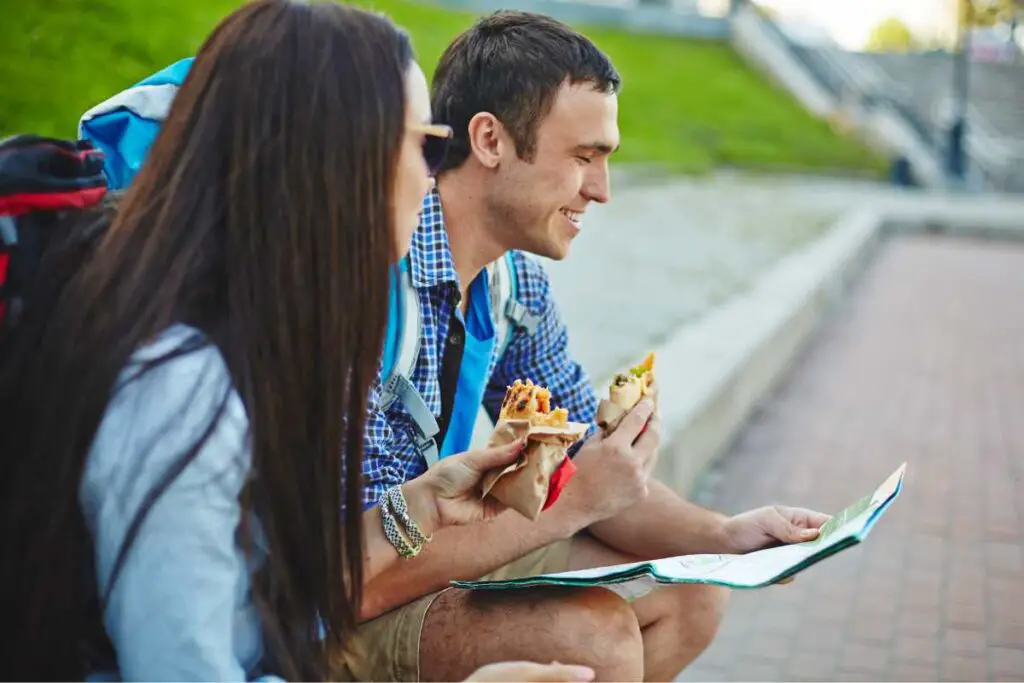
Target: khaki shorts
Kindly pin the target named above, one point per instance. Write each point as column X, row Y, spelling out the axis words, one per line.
column 388, row 647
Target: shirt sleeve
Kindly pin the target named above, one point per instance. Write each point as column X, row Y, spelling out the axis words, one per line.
column 172, row 612
column 381, row 467
column 543, row 356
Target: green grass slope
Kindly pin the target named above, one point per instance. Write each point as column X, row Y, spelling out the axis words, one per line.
column 686, row 105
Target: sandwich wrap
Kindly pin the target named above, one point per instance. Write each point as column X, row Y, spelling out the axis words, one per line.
column 625, row 392
column 532, row 483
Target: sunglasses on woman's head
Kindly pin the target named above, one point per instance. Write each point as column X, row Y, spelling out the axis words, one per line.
column 435, row 143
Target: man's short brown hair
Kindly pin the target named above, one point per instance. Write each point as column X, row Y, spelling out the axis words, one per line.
column 512, row 64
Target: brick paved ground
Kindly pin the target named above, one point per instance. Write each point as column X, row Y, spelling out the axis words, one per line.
column 924, row 364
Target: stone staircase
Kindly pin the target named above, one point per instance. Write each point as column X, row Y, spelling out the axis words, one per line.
column 920, row 86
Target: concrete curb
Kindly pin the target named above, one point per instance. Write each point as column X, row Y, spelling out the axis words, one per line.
column 715, row 372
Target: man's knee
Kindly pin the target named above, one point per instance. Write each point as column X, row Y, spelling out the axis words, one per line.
column 464, row 630
column 696, row 611
column 597, row 628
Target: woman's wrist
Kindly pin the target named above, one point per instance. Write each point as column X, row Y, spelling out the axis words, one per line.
column 421, row 499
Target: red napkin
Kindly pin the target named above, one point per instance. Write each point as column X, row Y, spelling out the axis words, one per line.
column 559, row 478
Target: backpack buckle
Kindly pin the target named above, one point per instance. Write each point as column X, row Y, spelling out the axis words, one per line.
column 427, row 448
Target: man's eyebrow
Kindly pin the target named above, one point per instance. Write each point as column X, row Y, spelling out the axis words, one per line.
column 600, row 147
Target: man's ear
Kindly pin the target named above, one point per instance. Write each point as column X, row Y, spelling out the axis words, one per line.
column 488, row 141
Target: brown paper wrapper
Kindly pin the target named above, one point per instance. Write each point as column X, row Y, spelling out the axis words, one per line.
column 523, row 485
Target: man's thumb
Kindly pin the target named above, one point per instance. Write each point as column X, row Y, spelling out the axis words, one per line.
column 800, row 535
column 787, row 532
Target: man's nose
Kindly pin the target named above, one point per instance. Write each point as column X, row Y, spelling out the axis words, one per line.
column 597, row 184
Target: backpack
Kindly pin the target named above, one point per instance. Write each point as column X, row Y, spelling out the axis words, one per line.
column 125, row 126
column 41, row 179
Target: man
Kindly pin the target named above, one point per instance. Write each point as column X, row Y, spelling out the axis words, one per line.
column 534, row 108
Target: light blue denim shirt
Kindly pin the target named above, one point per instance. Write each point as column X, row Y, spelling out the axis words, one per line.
column 180, row 608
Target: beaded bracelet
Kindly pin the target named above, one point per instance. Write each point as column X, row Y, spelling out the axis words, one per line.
column 396, row 497
column 392, row 531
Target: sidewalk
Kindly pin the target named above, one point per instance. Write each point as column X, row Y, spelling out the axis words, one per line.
column 924, row 364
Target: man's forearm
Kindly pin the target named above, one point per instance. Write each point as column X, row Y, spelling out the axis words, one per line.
column 469, row 552
column 663, row 525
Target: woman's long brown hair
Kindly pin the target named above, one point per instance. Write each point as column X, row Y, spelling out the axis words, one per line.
column 263, row 218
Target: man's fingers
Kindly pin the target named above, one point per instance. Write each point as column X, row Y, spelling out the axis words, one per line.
column 631, row 426
column 647, row 443
column 813, row 519
column 780, row 526
column 802, row 517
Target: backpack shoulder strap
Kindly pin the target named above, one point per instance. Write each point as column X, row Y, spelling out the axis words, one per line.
column 401, row 351
column 505, row 304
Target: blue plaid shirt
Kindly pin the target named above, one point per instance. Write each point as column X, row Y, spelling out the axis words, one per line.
column 390, row 454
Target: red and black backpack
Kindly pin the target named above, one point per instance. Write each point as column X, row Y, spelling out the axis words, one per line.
column 41, row 180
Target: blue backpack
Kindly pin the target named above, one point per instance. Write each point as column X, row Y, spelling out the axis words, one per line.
column 124, row 127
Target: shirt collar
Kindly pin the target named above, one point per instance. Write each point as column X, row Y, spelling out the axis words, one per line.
column 430, row 257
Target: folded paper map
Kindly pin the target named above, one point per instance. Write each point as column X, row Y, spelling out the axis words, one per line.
column 752, row 570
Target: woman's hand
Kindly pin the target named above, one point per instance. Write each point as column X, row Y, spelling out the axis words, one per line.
column 449, row 492
column 530, row 671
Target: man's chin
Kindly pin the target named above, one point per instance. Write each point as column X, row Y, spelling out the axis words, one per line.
column 555, row 247
column 562, row 253
column 555, row 252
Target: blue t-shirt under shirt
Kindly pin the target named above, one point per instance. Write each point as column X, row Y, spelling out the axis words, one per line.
column 476, row 359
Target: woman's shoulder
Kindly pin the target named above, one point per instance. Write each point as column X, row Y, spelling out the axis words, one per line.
column 181, row 366
column 181, row 355
column 179, row 376
column 173, row 393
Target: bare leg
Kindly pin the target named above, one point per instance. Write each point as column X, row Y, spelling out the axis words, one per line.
column 677, row 622
column 593, row 627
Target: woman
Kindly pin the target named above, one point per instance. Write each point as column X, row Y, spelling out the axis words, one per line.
column 184, row 410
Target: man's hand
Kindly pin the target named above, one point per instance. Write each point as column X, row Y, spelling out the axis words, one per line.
column 770, row 526
column 613, row 471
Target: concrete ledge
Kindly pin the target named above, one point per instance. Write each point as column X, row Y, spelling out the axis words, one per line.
column 982, row 218
column 715, row 372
